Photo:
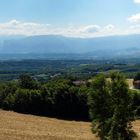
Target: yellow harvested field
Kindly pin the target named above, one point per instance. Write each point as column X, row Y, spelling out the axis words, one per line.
column 15, row 126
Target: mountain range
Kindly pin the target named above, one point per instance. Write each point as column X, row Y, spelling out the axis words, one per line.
column 56, row 45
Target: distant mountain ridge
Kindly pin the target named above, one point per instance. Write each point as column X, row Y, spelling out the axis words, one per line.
column 112, row 46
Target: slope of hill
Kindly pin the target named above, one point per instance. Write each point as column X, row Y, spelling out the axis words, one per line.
column 15, row 126
column 112, row 46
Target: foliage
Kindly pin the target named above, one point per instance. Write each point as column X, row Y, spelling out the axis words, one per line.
column 122, row 109
column 136, row 102
column 65, row 100
column 46, row 70
column 27, row 82
column 137, row 77
column 23, row 100
column 99, row 101
column 7, row 92
column 58, row 98
column 111, row 108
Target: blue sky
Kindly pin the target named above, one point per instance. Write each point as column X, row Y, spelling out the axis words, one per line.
column 85, row 18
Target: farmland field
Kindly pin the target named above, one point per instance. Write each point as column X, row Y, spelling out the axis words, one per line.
column 15, row 126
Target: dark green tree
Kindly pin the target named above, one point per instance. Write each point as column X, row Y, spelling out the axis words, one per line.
column 137, row 77
column 136, row 102
column 22, row 100
column 27, row 82
column 7, row 92
column 111, row 108
column 100, row 107
column 122, row 109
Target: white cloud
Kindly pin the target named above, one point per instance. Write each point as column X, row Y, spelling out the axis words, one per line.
column 13, row 22
column 134, row 18
column 137, row 26
column 137, row 1
column 134, row 29
column 109, row 27
column 90, row 29
column 15, row 27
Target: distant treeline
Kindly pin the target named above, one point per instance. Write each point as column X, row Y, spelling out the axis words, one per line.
column 45, row 70
column 57, row 98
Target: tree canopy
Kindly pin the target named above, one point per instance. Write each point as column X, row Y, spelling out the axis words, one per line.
column 111, row 108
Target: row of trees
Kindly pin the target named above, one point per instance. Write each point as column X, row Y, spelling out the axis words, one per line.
column 57, row 98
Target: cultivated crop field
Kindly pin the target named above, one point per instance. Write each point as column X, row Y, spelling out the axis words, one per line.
column 15, row 126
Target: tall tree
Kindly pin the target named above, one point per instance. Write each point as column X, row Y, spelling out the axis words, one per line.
column 111, row 108
column 122, row 109
column 100, row 108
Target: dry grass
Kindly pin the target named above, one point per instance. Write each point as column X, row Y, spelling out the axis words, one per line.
column 136, row 127
column 15, row 126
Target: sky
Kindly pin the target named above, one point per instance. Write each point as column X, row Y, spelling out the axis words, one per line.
column 76, row 18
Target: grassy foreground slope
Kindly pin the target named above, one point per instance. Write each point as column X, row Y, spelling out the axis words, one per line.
column 15, row 126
